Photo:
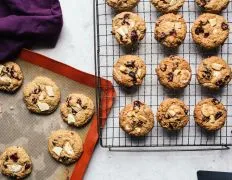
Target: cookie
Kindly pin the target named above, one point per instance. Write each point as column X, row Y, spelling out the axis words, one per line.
column 11, row 77
column 65, row 146
column 129, row 71
column 210, row 30
column 128, row 28
column 212, row 6
column 136, row 119
column 172, row 114
column 214, row 73
column 15, row 163
column 210, row 114
column 167, row 6
column 174, row 72
column 170, row 30
column 41, row 95
column 77, row 110
column 122, row 5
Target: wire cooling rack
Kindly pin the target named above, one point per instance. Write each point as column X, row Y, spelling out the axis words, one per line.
column 151, row 92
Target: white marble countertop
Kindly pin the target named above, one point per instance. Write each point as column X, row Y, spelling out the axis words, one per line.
column 75, row 48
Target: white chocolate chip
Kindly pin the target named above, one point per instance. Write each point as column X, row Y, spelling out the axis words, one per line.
column 185, row 76
column 123, row 30
column 5, row 80
column 217, row 66
column 207, row 110
column 71, row 119
column 57, row 150
column 14, row 168
column 1, row 68
column 177, row 72
column 212, row 119
column 68, row 148
column 50, row 92
column 77, row 108
column 43, row 106
column 172, row 2
column 213, row 21
column 139, row 73
column 122, row 68
column 216, row 74
column 137, row 129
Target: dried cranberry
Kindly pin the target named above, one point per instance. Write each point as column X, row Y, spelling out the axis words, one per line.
column 84, row 107
column 130, row 64
column 134, row 36
column 205, row 118
column 207, row 73
column 74, row 112
column 79, row 102
column 37, row 90
column 227, row 78
column 203, row 3
column 215, row 101
column 137, row 104
column 173, row 33
column 27, row 166
column 170, row 77
column 140, row 123
column 186, row 111
column 132, row 74
column 14, row 157
column 199, row 30
column 220, row 83
column 162, row 35
column 218, row 115
column 206, row 35
column 224, row 26
column 34, row 100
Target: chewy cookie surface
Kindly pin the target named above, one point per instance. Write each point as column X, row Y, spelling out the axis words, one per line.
column 214, row 73
column 15, row 163
column 172, row 114
column 174, row 72
column 41, row 95
column 65, row 146
column 168, row 6
column 210, row 30
column 11, row 77
column 136, row 119
column 210, row 114
column 129, row 71
column 128, row 28
column 122, row 5
column 77, row 110
column 170, row 30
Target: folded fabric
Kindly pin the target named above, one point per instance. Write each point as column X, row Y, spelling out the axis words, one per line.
column 27, row 22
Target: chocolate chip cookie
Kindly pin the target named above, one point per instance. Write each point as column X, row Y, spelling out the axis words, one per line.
column 11, row 77
column 214, row 73
column 210, row 114
column 65, row 146
column 128, row 28
column 172, row 114
column 168, row 6
column 122, row 5
column 77, row 110
column 41, row 95
column 136, row 119
column 212, row 6
column 129, row 71
column 174, row 72
column 15, row 163
column 210, row 30
column 170, row 30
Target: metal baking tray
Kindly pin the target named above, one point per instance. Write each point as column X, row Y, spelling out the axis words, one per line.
column 107, row 51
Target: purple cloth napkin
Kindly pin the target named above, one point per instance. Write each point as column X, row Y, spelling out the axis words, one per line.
column 24, row 23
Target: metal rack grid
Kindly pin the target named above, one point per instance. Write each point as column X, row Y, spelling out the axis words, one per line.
column 151, row 92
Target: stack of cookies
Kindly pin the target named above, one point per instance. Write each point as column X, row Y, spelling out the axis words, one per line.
column 42, row 96
column 209, row 31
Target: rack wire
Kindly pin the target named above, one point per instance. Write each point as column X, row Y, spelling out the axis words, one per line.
column 151, row 92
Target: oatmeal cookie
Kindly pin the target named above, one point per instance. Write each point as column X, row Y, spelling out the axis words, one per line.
column 122, row 5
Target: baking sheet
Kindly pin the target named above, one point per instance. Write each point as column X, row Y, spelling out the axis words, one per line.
column 20, row 127
column 151, row 91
